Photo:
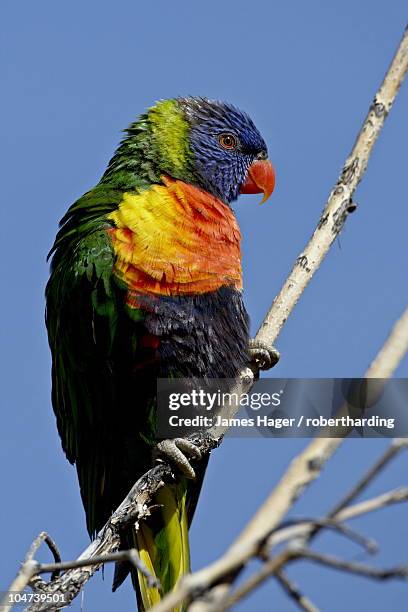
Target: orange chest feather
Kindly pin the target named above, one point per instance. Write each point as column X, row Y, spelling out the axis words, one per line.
column 175, row 239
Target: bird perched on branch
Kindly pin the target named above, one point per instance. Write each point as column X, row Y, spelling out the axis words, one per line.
column 145, row 283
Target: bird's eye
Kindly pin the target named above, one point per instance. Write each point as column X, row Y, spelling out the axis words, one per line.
column 228, row 141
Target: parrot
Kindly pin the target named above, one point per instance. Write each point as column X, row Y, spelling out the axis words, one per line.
column 146, row 283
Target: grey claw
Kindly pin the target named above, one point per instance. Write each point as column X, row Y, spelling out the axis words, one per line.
column 264, row 356
column 176, row 450
column 188, row 447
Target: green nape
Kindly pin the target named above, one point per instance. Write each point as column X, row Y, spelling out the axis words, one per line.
column 171, row 135
column 156, row 144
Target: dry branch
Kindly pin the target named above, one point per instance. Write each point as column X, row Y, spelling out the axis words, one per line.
column 273, row 566
column 345, row 512
column 134, row 507
column 303, row 530
column 294, row 593
column 29, row 567
column 398, row 572
column 394, row 449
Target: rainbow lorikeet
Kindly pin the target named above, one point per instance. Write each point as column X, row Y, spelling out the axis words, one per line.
column 145, row 283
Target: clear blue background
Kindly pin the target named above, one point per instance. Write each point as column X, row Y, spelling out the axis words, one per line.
column 74, row 74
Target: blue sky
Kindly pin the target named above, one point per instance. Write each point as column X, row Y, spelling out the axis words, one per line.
column 74, row 75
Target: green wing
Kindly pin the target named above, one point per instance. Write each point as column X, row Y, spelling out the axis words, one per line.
column 82, row 312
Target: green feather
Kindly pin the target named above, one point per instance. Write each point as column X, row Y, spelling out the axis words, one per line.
column 165, row 551
column 81, row 317
column 170, row 131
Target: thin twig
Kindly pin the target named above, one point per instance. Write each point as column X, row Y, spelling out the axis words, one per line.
column 29, row 567
column 368, row 544
column 294, row 593
column 395, row 496
column 274, row 565
column 44, row 537
column 343, row 511
column 130, row 555
column 392, row 451
column 395, row 447
column 397, row 572
column 293, row 532
column 376, row 503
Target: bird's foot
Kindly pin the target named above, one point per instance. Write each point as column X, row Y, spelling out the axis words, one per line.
column 264, row 357
column 177, row 451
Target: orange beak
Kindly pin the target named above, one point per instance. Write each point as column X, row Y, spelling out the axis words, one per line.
column 260, row 179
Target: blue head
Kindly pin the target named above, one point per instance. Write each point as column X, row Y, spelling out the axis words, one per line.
column 224, row 143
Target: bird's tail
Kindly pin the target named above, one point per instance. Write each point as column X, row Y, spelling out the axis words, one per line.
column 163, row 545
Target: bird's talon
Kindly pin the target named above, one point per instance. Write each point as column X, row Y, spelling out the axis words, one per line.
column 177, row 451
column 262, row 355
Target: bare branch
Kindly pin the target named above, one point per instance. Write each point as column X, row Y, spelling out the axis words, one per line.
column 29, row 567
column 343, row 511
column 292, row 590
column 44, row 537
column 398, row 572
column 302, row 530
column 369, row 545
column 134, row 507
column 376, row 503
column 130, row 555
column 392, row 451
column 272, row 566
column 298, row 532
column 396, row 447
